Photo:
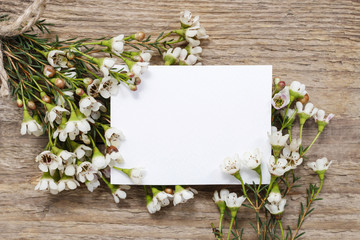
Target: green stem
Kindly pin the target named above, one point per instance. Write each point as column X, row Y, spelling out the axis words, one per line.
column 288, row 106
column 101, row 136
column 316, row 137
column 321, row 185
column 282, row 230
column 289, row 132
column 220, row 223
column 301, row 130
column 231, row 223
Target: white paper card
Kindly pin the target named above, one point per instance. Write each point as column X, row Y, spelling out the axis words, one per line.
column 184, row 120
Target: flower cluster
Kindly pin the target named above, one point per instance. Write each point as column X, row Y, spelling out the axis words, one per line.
column 290, row 103
column 64, row 89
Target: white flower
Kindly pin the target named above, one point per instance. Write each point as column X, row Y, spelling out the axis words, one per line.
column 48, row 161
column 76, row 125
column 309, row 109
column 252, row 160
column 67, row 183
column 106, row 65
column 279, row 168
column 47, row 183
column 193, row 34
column 70, row 75
column 93, row 88
column 153, row 205
column 289, row 114
column 274, row 198
column 222, row 197
column 139, row 68
column 89, row 105
column 61, row 101
column 292, row 157
column 145, row 56
column 137, row 175
column 113, row 158
column 114, row 137
column 82, row 150
column 185, row 59
column 68, row 160
column 55, row 113
column 108, row 87
column 233, row 201
column 86, row 172
column 85, row 138
column 56, row 58
column 231, row 165
column 297, row 90
column 162, row 197
column 93, row 184
column 187, row 20
column 276, row 209
column 320, row 116
column 117, row 44
column 172, row 55
column 119, row 193
column 295, row 144
column 276, row 138
column 320, row 165
column 182, row 195
column 281, row 99
column 99, row 161
column 194, row 50
column 30, row 125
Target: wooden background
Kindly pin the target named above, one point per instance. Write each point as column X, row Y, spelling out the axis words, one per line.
column 315, row 42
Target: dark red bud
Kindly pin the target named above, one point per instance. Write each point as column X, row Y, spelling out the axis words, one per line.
column 49, row 71
column 305, row 99
column 19, row 103
column 31, row 105
column 281, row 85
column 60, row 83
column 169, row 190
column 46, row 98
column 111, row 149
column 139, row 36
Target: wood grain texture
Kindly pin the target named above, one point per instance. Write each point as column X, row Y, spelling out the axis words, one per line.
column 315, row 42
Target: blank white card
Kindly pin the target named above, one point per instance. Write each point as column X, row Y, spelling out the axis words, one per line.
column 184, row 120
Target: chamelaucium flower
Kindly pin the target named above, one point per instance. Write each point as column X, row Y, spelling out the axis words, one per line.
column 119, row 193
column 152, row 204
column 55, row 113
column 187, row 20
column 162, row 197
column 281, row 99
column 30, row 126
column 56, row 58
column 172, row 55
column 135, row 174
column 297, row 91
column 320, row 166
column 81, row 150
column 252, row 160
column 182, row 195
column 233, row 203
column 89, row 105
column 48, row 161
column 277, row 140
column 293, row 157
column 306, row 112
column 108, row 87
column 113, row 136
column 321, row 120
column 47, row 183
column 86, row 171
column 277, row 203
column 232, row 165
column 278, row 167
column 185, row 59
column 67, row 183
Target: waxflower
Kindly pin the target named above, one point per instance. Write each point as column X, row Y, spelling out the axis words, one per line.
column 30, row 125
column 119, row 193
column 89, row 105
column 108, row 87
column 277, row 140
column 185, row 59
column 277, row 203
column 76, row 124
column 293, row 157
column 172, row 55
column 231, row 165
column 86, row 172
column 67, row 159
column 47, row 183
column 233, row 202
column 305, row 113
column 281, row 99
column 196, row 51
column 117, row 44
column 98, row 159
column 162, row 197
column 55, row 113
column 57, row 58
column 67, row 183
column 321, row 120
column 152, row 204
column 194, row 34
column 220, row 202
column 187, row 20
column 93, row 184
column 81, row 150
column 135, row 174
column 320, row 166
column 182, row 195
column 297, row 90
column 114, row 157
column 113, row 136
column 48, row 161
column 290, row 115
column 105, row 64
column 92, row 89
column 279, row 167
column 252, row 160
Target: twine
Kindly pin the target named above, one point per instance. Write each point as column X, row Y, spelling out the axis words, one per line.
column 9, row 29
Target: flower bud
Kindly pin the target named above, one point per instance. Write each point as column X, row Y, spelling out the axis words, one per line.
column 111, row 149
column 281, row 85
column 49, row 71
column 19, row 103
column 137, row 58
column 88, row 81
column 70, row 55
column 139, row 36
column 79, row 91
column 305, row 99
column 70, row 64
column 46, row 98
column 60, row 83
column 31, row 105
column 169, row 190
column 132, row 87
column 137, row 81
column 130, row 74
column 276, row 80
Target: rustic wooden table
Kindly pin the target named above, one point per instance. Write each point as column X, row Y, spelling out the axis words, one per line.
column 315, row 42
